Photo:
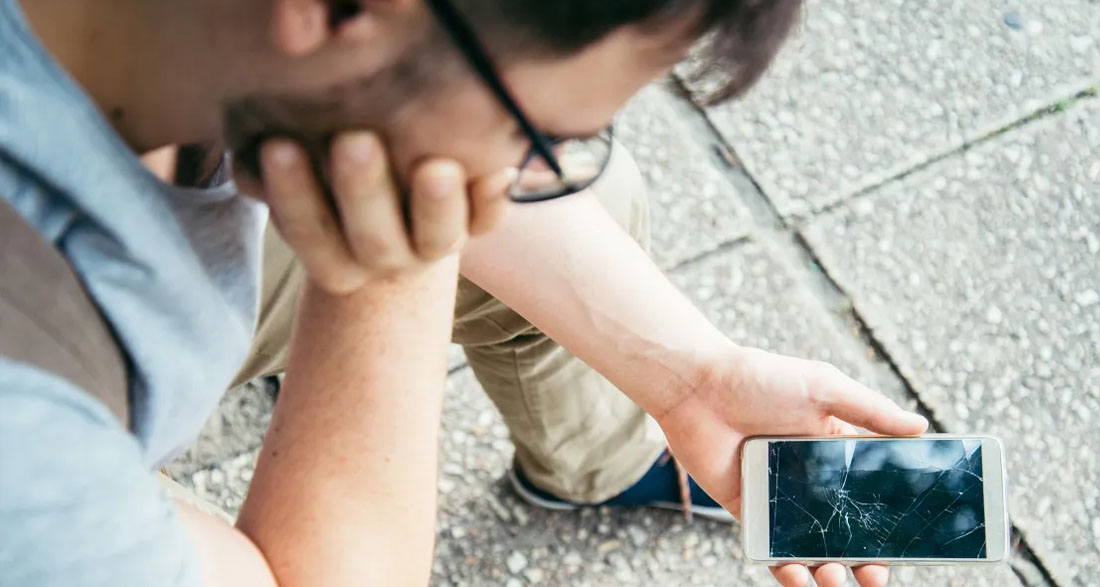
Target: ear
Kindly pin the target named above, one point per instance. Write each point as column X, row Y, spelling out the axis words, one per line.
column 299, row 27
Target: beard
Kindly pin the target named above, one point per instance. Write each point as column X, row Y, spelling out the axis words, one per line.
column 313, row 121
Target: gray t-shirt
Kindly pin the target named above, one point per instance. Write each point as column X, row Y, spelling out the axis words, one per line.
column 175, row 273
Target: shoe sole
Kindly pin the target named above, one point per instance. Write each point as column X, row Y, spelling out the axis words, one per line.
column 717, row 514
column 533, row 499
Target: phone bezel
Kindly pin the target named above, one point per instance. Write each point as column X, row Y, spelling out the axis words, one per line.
column 755, row 520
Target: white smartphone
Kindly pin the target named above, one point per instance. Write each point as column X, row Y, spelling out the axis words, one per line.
column 935, row 499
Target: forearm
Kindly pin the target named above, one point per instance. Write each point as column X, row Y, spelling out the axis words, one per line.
column 344, row 489
column 574, row 273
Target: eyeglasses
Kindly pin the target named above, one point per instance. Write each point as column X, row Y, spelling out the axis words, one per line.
column 554, row 167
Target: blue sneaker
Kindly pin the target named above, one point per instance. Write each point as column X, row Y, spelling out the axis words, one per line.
column 660, row 487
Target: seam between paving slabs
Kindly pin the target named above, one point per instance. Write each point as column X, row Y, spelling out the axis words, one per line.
column 1052, row 109
column 790, row 241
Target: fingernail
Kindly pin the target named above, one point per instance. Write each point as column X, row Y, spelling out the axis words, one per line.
column 359, row 147
column 923, row 421
column 281, row 152
column 915, row 417
column 443, row 183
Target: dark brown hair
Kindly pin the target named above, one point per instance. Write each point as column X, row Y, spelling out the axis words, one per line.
column 739, row 37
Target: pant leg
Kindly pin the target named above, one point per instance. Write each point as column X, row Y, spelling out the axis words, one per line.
column 283, row 279
column 576, row 435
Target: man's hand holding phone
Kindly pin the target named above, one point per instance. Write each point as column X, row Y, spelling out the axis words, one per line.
column 749, row 392
column 362, row 226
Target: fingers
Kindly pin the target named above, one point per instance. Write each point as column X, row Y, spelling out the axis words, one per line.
column 439, row 211
column 851, row 401
column 872, row 575
column 303, row 216
column 365, row 225
column 831, row 575
column 371, row 215
column 791, row 575
column 489, row 200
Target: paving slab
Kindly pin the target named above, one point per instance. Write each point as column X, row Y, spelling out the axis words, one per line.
column 694, row 207
column 981, row 277
column 870, row 89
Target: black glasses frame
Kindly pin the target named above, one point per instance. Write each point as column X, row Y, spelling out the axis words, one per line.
column 542, row 144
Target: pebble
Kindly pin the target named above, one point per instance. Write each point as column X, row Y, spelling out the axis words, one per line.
column 453, row 469
column 572, row 559
column 963, row 411
column 609, row 546
column 520, row 513
column 516, row 562
column 534, row 576
column 1013, row 20
column 993, row 315
column 1087, row 298
column 513, row 582
column 622, row 567
column 498, row 508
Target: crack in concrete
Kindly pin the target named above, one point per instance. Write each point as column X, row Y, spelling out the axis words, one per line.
column 1052, row 109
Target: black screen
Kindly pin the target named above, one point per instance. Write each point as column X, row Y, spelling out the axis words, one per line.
column 898, row 498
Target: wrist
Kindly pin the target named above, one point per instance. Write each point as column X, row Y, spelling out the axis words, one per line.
column 708, row 366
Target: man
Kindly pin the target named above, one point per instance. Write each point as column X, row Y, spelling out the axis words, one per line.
column 349, row 454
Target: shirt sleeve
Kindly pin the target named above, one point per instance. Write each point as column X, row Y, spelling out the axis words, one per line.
column 76, row 505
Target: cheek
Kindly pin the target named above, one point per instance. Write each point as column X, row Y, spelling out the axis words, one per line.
column 474, row 132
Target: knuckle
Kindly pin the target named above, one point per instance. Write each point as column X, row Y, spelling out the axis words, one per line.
column 389, row 263
column 372, row 247
column 337, row 281
column 296, row 230
column 434, row 246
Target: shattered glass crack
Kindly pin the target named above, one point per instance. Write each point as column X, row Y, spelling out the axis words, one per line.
column 876, row 499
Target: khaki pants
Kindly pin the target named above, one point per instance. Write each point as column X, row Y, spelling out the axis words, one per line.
column 576, row 435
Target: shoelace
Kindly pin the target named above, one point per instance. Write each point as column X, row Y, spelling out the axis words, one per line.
column 682, row 479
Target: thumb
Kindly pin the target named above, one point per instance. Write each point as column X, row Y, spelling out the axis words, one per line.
column 855, row 403
column 489, row 200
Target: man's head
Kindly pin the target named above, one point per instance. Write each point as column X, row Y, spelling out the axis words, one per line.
column 392, row 66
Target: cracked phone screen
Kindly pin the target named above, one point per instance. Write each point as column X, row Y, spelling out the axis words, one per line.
column 859, row 498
